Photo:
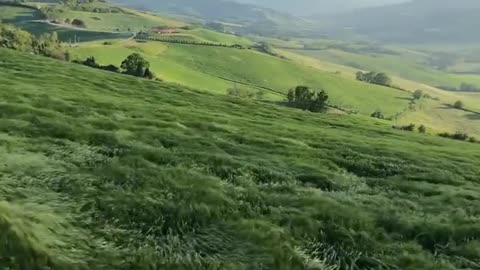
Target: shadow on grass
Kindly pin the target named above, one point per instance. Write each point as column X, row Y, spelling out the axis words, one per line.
column 473, row 115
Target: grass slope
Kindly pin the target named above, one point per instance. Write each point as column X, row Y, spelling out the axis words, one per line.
column 12, row 14
column 106, row 171
column 435, row 114
column 402, row 65
column 215, row 69
column 206, row 35
column 21, row 17
column 123, row 19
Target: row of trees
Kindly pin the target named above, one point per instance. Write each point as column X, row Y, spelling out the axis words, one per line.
column 144, row 36
column 375, row 78
column 459, row 136
column 464, row 87
column 134, row 65
column 411, row 127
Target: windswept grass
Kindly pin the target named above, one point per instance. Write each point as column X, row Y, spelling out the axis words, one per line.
column 106, row 171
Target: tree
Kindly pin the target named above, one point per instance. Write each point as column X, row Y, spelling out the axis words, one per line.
column 148, row 74
column 422, row 129
column 78, row 23
column 91, row 62
column 16, row 39
column 378, row 114
column 418, row 94
column 302, row 97
column 135, row 65
column 360, row 76
column 467, row 87
column 458, row 105
column 259, row 94
column 382, row 79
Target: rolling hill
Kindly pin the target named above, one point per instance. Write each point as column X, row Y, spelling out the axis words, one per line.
column 241, row 18
column 416, row 21
column 311, row 7
column 216, row 69
column 107, row 171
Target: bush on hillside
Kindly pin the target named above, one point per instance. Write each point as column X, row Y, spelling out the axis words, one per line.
column 422, row 129
column 410, row 127
column 459, row 105
column 92, row 62
column 418, row 94
column 378, row 114
column 459, row 136
column 468, row 87
column 239, row 92
column 135, row 65
column 374, row 78
column 78, row 23
column 302, row 97
column 149, row 74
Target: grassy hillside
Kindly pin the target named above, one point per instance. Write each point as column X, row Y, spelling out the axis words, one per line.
column 202, row 35
column 216, row 69
column 435, row 114
column 122, row 20
column 403, row 66
column 22, row 17
column 106, row 171
column 13, row 14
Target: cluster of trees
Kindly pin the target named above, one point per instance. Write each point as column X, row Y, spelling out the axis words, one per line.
column 144, row 36
column 464, row 87
column 79, row 5
column 134, row 65
column 45, row 44
column 375, row 78
column 92, row 62
column 302, row 97
column 378, row 114
column 459, row 136
column 264, row 47
column 244, row 93
column 411, row 127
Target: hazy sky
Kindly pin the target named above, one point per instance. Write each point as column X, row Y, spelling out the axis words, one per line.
column 308, row 7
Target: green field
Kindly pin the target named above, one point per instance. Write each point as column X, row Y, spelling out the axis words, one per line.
column 434, row 114
column 121, row 20
column 70, row 35
column 11, row 14
column 216, row 69
column 205, row 35
column 106, row 171
column 403, row 65
column 22, row 17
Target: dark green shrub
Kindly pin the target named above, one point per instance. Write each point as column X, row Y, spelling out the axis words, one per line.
column 302, row 97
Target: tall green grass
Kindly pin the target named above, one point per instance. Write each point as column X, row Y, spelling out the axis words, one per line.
column 106, row 171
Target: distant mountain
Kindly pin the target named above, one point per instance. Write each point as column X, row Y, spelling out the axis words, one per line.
column 252, row 18
column 415, row 21
column 309, row 7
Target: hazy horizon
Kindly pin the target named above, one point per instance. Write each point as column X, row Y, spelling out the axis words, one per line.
column 310, row 7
